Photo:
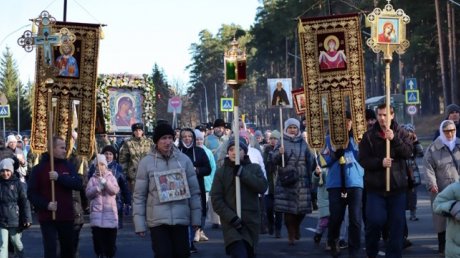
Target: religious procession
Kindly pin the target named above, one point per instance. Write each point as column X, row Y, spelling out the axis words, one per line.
column 313, row 145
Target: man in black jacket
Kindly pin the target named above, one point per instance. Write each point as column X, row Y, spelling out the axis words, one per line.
column 385, row 207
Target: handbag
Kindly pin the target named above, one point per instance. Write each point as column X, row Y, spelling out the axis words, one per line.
column 288, row 175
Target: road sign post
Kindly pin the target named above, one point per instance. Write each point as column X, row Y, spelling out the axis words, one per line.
column 226, row 104
column 4, row 113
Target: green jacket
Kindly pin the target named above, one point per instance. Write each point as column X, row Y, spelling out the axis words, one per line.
column 223, row 198
column 131, row 152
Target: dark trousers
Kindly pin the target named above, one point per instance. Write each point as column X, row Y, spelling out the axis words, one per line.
column 240, row 249
column 292, row 222
column 76, row 237
column 382, row 210
column 274, row 218
column 104, row 241
column 54, row 230
column 337, row 208
column 170, row 241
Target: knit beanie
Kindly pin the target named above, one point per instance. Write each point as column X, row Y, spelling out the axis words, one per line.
column 162, row 130
column 199, row 134
column 292, row 121
column 110, row 148
column 258, row 133
column 100, row 159
column 275, row 134
column 243, row 145
column 11, row 138
column 452, row 108
column 7, row 164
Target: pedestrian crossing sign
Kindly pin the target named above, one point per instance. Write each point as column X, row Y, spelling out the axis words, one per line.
column 4, row 111
column 412, row 97
column 226, row 104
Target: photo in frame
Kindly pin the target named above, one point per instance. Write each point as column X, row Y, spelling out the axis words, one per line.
column 278, row 90
column 172, row 185
column 300, row 103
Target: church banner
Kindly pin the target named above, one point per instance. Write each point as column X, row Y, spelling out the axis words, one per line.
column 74, row 73
column 333, row 77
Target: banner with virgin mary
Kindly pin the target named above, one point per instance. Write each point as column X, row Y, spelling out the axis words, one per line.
column 333, row 77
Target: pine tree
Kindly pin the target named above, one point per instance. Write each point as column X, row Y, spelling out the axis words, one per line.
column 9, row 83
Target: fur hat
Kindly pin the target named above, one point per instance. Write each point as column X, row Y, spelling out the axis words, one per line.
column 291, row 121
column 11, row 138
column 110, row 148
column 162, row 130
column 100, row 159
column 136, row 126
column 7, row 164
column 219, row 122
column 452, row 108
column 243, row 145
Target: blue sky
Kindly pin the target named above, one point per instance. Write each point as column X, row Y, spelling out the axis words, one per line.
column 138, row 34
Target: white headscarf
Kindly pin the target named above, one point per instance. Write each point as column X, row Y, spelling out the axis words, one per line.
column 449, row 144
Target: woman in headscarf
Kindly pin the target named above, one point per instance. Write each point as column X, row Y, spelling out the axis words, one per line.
column 441, row 161
column 294, row 200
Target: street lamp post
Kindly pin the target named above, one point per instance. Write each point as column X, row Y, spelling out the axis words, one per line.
column 205, row 99
column 235, row 76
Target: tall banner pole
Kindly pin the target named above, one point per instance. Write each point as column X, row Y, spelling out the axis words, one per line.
column 388, row 35
column 236, row 130
column 50, row 144
column 282, row 133
column 235, row 76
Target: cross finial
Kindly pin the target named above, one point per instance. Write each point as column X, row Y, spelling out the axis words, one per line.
column 389, row 1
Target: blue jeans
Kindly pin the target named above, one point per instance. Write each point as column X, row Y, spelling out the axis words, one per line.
column 15, row 238
column 337, row 207
column 381, row 210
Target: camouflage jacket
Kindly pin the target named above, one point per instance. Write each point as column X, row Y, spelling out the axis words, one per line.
column 131, row 152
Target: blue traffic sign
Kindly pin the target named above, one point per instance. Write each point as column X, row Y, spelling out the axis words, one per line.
column 226, row 104
column 411, row 84
column 4, row 111
column 412, row 97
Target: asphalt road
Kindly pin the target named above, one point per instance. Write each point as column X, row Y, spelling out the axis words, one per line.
column 421, row 234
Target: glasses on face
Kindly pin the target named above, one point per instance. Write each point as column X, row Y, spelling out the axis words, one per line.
column 449, row 131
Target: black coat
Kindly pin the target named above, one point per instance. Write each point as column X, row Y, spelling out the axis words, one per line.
column 14, row 206
column 372, row 150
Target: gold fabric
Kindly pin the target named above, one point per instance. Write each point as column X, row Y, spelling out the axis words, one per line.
column 333, row 77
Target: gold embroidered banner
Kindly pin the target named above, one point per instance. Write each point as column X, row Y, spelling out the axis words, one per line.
column 74, row 87
column 333, row 77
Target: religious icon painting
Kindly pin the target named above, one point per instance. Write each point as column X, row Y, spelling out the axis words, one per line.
column 300, row 103
column 172, row 185
column 73, row 81
column 333, row 72
column 331, row 48
column 126, row 99
column 388, row 30
column 279, row 92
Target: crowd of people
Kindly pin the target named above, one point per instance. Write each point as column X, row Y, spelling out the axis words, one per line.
column 175, row 181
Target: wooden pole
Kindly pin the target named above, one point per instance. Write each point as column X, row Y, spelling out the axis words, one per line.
column 388, row 58
column 50, row 144
column 236, row 133
column 282, row 133
column 441, row 53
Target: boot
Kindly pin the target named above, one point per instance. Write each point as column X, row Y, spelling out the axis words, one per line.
column 441, row 242
column 335, row 248
column 196, row 238
column 203, row 237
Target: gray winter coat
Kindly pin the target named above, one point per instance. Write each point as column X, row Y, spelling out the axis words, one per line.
column 148, row 211
column 295, row 199
column 440, row 171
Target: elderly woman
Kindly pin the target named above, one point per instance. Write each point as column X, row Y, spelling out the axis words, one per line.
column 441, row 162
column 294, row 198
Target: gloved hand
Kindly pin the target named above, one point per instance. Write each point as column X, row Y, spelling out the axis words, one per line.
column 54, row 175
column 455, row 211
column 236, row 170
column 237, row 223
column 339, row 153
column 103, row 181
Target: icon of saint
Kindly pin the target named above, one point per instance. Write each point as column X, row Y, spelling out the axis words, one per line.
column 332, row 58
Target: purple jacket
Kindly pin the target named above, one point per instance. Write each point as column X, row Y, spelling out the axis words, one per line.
column 103, row 204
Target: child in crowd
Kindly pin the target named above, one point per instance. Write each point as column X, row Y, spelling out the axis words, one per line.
column 101, row 192
column 13, row 196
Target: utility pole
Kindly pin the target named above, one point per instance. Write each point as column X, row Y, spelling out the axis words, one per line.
column 441, row 53
column 452, row 51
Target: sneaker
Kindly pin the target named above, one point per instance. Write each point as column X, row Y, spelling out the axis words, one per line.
column 317, row 238
column 413, row 218
column 407, row 243
column 343, row 244
column 193, row 249
column 203, row 237
column 196, row 238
